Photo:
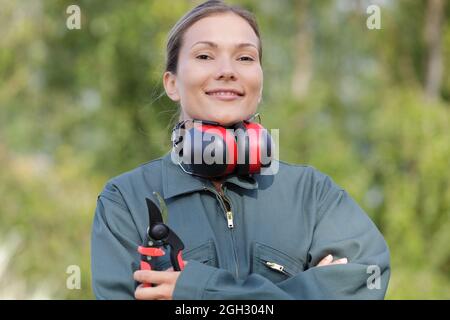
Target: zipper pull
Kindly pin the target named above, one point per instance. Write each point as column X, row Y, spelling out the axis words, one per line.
column 230, row 219
column 275, row 266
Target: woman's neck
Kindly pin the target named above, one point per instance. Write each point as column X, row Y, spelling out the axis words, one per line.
column 218, row 184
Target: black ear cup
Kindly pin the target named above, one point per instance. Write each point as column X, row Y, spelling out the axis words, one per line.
column 243, row 148
column 205, row 151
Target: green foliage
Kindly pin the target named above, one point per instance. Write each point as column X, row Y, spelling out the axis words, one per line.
column 80, row 106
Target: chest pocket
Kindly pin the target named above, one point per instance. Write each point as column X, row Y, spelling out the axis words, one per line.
column 274, row 264
column 204, row 253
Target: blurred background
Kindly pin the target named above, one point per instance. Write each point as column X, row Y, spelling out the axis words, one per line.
column 369, row 107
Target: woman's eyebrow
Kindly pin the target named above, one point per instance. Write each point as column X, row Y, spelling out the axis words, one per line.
column 215, row 45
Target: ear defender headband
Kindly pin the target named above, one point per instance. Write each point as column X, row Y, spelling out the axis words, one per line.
column 210, row 150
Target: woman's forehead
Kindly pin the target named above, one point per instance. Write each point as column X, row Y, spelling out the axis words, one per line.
column 224, row 29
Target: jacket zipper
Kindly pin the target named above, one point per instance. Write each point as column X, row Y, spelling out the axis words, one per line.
column 229, row 213
column 226, row 204
column 230, row 222
column 276, row 267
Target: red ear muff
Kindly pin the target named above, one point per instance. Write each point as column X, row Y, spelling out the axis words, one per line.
column 208, row 150
column 254, row 146
column 262, row 146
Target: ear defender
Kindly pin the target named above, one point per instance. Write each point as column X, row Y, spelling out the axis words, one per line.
column 210, row 150
column 254, row 146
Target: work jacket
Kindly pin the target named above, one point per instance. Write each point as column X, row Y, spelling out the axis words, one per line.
column 260, row 237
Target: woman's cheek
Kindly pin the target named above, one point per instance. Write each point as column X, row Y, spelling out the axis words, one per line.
column 256, row 92
column 255, row 82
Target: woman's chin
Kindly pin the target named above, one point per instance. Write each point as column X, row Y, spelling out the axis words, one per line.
column 227, row 121
column 222, row 116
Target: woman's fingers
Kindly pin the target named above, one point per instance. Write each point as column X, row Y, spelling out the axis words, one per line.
column 161, row 292
column 328, row 260
column 325, row 261
column 340, row 261
column 164, row 282
column 155, row 277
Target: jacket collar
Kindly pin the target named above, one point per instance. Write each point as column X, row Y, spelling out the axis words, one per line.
column 177, row 182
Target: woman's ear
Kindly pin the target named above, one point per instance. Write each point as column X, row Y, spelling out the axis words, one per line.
column 170, row 85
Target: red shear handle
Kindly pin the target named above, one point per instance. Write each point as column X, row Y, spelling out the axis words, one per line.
column 152, row 252
column 145, row 265
column 180, row 261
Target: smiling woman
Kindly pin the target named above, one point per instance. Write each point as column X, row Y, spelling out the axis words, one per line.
column 218, row 75
column 291, row 234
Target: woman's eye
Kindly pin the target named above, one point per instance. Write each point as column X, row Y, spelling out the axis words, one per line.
column 203, row 57
column 247, row 58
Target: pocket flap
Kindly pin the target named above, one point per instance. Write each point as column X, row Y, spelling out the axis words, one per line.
column 274, row 264
column 204, row 253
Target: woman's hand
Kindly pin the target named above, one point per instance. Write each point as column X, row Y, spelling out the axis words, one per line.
column 328, row 260
column 164, row 280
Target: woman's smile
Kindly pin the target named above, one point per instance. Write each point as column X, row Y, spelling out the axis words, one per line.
column 225, row 94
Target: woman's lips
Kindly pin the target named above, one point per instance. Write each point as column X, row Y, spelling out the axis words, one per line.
column 224, row 96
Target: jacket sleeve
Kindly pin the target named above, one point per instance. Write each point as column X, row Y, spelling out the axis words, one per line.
column 342, row 229
column 114, row 243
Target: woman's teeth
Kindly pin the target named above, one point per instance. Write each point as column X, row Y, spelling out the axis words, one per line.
column 221, row 93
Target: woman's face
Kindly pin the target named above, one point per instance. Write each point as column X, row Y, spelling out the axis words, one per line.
column 219, row 76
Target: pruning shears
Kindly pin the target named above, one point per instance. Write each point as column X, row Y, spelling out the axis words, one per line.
column 160, row 236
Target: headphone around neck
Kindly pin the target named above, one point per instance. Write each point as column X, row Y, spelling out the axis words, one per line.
column 211, row 150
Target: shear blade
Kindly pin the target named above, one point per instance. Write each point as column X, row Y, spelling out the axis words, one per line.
column 153, row 212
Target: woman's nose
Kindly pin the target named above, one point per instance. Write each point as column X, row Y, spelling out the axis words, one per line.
column 228, row 75
column 226, row 71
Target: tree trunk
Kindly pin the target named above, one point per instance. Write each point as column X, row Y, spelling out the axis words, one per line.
column 434, row 18
column 302, row 73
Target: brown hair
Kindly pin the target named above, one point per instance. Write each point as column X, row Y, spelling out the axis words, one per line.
column 208, row 8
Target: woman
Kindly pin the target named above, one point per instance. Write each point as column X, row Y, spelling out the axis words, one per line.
column 292, row 235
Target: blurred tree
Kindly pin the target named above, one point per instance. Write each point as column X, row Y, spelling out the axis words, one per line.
column 80, row 106
column 434, row 19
